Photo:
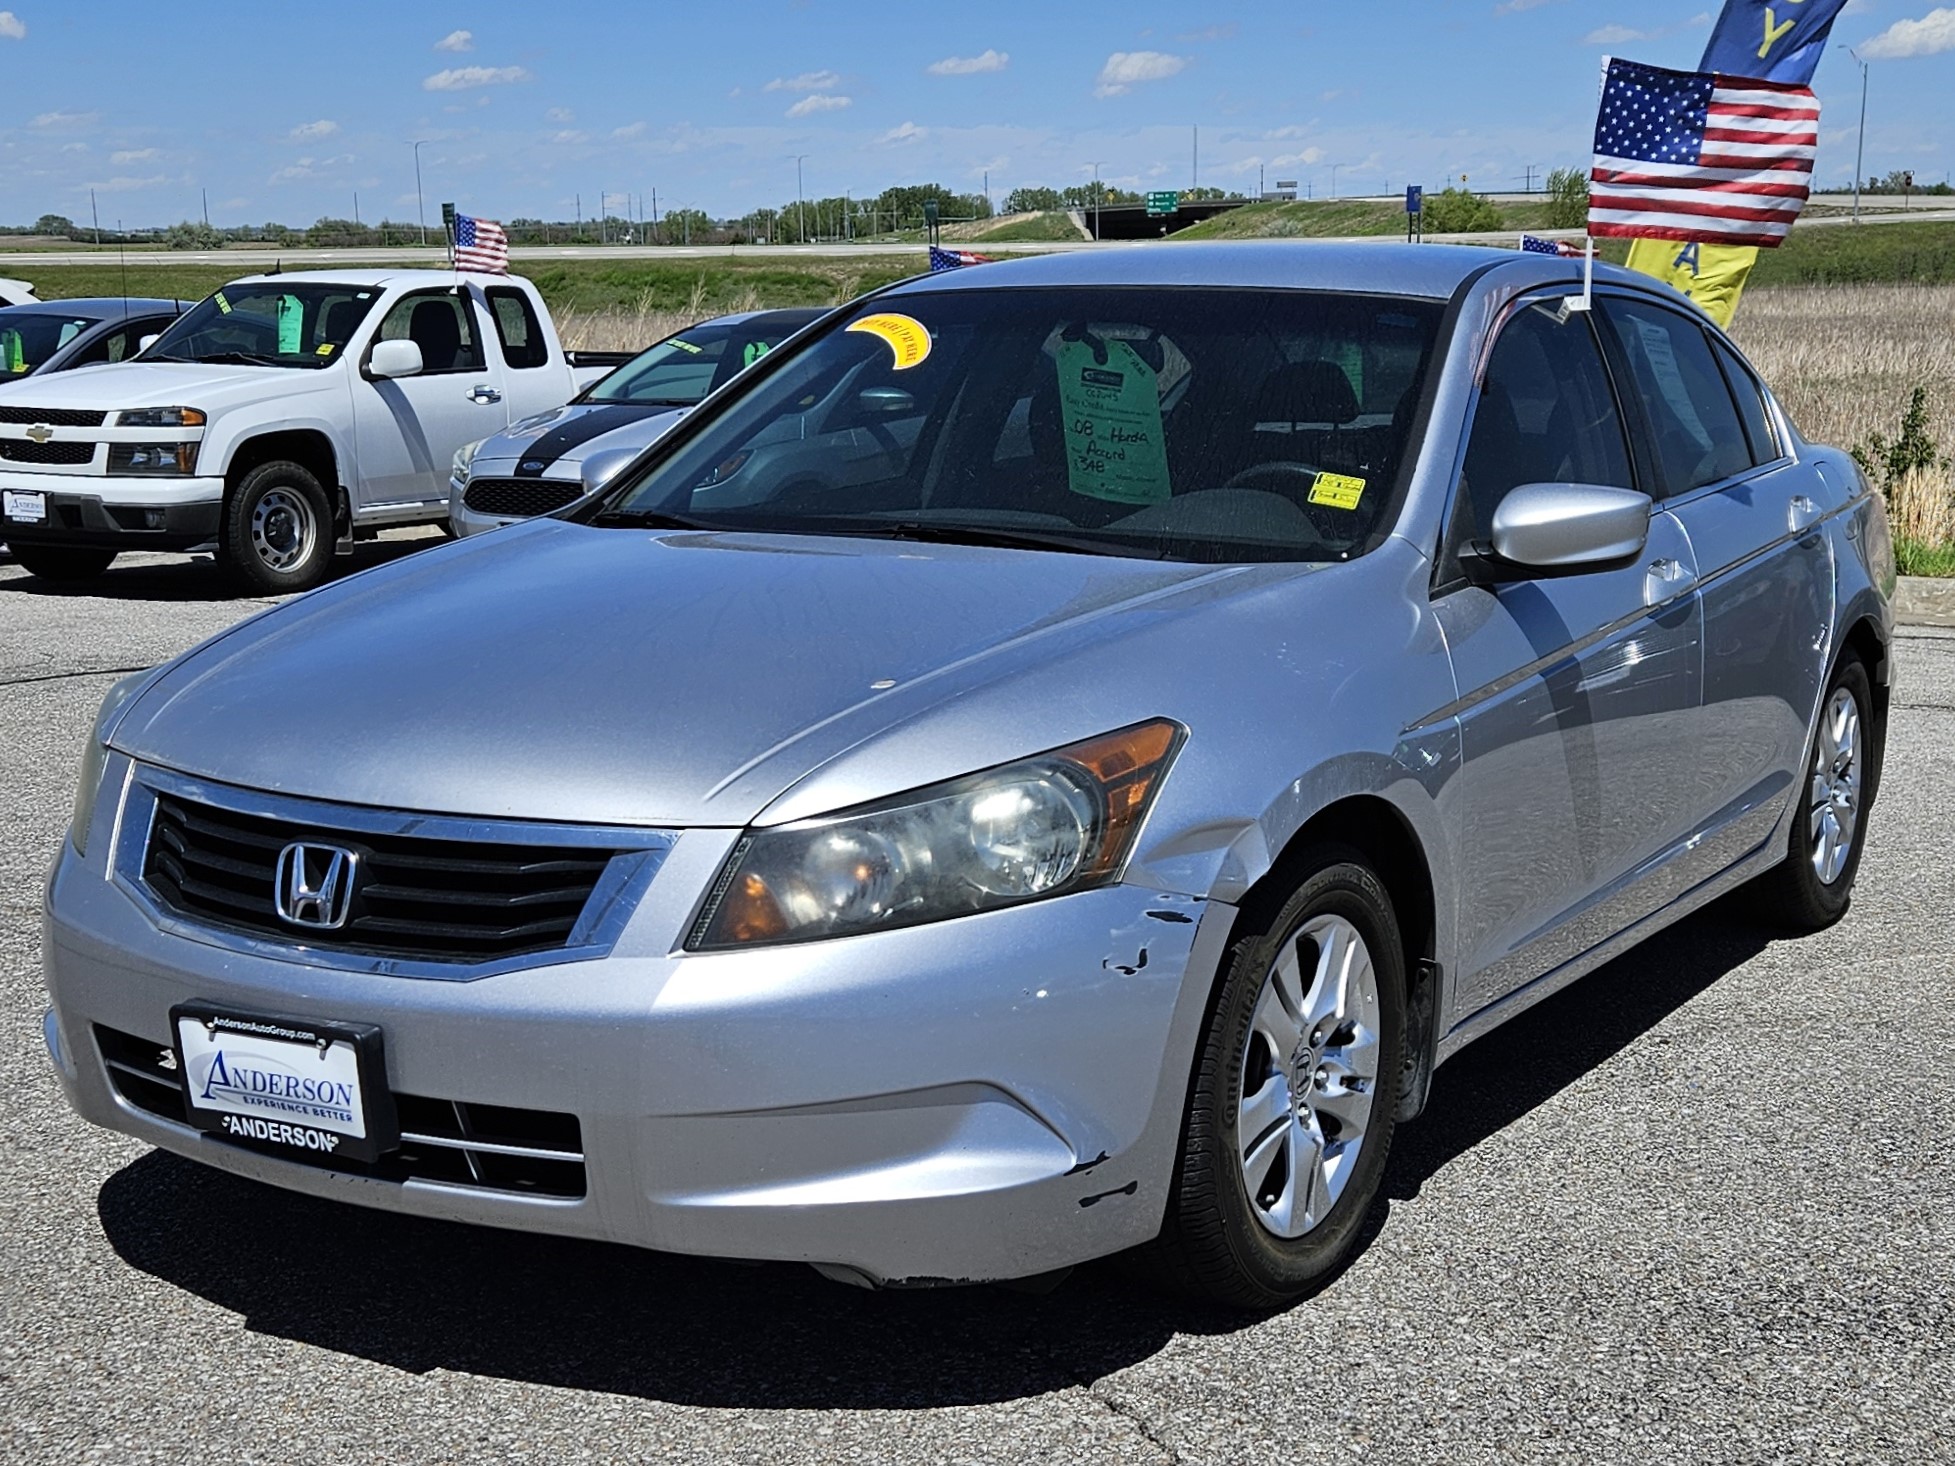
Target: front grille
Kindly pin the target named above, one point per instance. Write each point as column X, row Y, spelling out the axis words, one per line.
column 24, row 450
column 533, row 1152
column 526, row 497
column 54, row 417
column 435, row 900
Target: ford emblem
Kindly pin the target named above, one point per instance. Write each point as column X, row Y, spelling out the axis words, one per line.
column 533, row 465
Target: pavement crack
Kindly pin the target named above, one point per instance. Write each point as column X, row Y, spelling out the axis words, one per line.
column 1115, row 1405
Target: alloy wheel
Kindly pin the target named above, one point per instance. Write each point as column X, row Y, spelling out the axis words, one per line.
column 1834, row 804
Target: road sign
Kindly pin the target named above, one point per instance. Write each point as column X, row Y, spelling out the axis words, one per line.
column 1415, row 198
column 1163, row 201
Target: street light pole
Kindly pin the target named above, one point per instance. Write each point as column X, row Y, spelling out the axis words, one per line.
column 1860, row 155
column 800, row 203
column 1096, row 198
column 1333, row 179
column 420, row 209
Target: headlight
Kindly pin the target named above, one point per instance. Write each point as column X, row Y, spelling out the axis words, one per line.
column 1063, row 821
column 160, row 417
column 464, row 456
column 94, row 757
column 152, row 457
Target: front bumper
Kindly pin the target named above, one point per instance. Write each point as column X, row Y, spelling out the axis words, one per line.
column 118, row 513
column 990, row 1097
column 464, row 521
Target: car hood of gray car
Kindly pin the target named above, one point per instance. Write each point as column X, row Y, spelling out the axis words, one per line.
column 559, row 672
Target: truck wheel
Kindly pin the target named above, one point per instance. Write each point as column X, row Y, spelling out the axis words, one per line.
column 278, row 529
column 61, row 564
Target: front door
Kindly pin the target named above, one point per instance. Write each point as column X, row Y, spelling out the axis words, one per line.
column 1576, row 693
column 408, row 428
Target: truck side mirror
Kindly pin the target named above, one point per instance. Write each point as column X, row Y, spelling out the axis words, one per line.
column 148, row 341
column 394, row 359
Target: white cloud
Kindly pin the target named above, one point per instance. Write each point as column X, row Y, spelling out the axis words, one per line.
column 1616, row 35
column 1124, row 68
column 570, row 135
column 970, row 65
column 133, row 155
column 48, row 120
column 807, row 81
column 909, row 132
column 12, row 27
column 304, row 168
column 629, row 131
column 561, row 114
column 818, row 102
column 1933, row 33
column 461, row 78
column 121, row 184
column 456, row 41
column 306, row 131
column 1512, row 7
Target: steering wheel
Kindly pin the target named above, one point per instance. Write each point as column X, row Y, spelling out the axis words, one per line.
column 1293, row 480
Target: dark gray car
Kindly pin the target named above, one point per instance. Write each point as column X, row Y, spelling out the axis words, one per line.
column 56, row 335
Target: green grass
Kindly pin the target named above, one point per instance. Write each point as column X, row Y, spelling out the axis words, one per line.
column 1327, row 219
column 1040, row 229
column 1866, row 254
column 1916, row 558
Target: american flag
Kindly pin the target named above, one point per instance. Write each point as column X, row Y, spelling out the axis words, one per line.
column 953, row 259
column 1536, row 246
column 481, row 245
column 1700, row 155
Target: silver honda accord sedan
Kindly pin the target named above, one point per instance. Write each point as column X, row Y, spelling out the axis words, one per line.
column 1174, row 701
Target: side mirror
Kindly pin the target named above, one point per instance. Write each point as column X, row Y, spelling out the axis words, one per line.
column 1560, row 529
column 394, row 359
column 884, row 402
column 600, row 468
column 148, row 341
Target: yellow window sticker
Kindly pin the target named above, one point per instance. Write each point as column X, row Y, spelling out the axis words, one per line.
column 1338, row 490
column 223, row 304
column 325, row 349
column 1112, row 404
column 907, row 338
column 685, row 346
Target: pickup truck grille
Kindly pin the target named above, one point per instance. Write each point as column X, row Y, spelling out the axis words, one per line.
column 525, row 497
column 21, row 450
column 433, row 900
column 54, row 417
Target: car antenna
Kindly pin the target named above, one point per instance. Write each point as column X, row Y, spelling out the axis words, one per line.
column 122, row 258
column 278, row 267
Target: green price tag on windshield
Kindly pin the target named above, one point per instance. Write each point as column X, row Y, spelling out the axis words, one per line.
column 1112, row 409
column 291, row 325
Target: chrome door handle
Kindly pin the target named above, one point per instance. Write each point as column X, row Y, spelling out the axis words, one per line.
column 1803, row 514
column 1665, row 579
column 484, row 395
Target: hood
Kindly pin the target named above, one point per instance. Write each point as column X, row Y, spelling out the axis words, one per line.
column 552, row 444
column 167, row 384
column 558, row 672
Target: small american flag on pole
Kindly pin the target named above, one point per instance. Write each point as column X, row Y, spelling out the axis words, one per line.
column 1535, row 245
column 481, row 245
column 1700, row 155
column 954, row 259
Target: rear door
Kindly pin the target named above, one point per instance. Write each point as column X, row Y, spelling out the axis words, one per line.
column 1576, row 693
column 408, row 428
column 1765, row 570
column 534, row 378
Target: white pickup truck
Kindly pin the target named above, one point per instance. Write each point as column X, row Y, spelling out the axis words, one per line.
column 280, row 419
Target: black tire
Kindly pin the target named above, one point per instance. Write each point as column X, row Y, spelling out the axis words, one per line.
column 62, row 564
column 1217, row 1240
column 1794, row 894
column 278, row 529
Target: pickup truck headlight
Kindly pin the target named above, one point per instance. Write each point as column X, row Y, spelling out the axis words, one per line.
column 1060, row 822
column 94, row 757
column 160, row 417
column 152, row 458
column 464, row 456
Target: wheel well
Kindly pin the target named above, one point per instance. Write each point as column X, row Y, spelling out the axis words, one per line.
column 305, row 447
column 1864, row 641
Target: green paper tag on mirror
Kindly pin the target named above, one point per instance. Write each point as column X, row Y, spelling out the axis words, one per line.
column 291, row 325
column 1113, row 424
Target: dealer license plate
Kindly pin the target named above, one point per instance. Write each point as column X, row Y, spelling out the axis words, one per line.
column 290, row 1084
column 23, row 506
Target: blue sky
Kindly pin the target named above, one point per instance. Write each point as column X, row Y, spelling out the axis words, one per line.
column 282, row 111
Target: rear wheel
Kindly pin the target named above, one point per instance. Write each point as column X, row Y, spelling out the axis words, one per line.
column 1293, row 1106
column 62, row 564
column 1811, row 888
column 278, row 529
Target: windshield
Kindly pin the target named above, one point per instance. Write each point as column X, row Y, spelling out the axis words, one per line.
column 28, row 340
column 270, row 323
column 1209, row 425
column 688, row 364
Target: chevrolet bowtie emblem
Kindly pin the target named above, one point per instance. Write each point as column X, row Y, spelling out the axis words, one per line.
column 40, row 432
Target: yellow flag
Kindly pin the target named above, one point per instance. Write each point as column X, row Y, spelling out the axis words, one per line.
column 1713, row 275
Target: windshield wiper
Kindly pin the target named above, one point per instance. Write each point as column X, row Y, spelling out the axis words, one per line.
column 1006, row 539
column 650, row 519
column 240, row 358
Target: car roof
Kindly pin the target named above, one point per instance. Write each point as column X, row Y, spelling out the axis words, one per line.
column 98, row 308
column 376, row 279
column 1432, row 270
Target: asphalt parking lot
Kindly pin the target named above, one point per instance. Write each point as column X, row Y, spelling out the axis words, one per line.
column 1700, row 1207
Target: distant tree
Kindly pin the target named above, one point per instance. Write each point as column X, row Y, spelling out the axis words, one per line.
column 1461, row 211
column 1567, row 198
column 1033, row 200
column 192, row 234
column 56, row 225
column 1205, row 192
column 339, row 233
column 685, row 226
column 1082, row 195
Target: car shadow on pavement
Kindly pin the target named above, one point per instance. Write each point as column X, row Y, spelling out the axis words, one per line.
column 419, row 1295
column 191, row 578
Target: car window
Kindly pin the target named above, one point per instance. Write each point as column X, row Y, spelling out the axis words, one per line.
column 520, row 333
column 442, row 325
column 28, row 339
column 117, row 345
column 1697, row 433
column 1206, row 424
column 1547, row 414
column 290, row 323
column 1751, row 404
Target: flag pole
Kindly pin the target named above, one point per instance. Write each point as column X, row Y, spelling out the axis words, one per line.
column 1588, row 275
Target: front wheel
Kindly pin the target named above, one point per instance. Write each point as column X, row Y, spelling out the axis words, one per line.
column 1294, row 1100
column 278, row 529
column 62, row 564
column 1811, row 888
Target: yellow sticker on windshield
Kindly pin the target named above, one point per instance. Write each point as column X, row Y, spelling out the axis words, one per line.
column 223, row 304
column 1338, row 490
column 907, row 339
column 325, row 349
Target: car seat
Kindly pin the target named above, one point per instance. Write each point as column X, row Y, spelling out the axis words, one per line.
column 435, row 328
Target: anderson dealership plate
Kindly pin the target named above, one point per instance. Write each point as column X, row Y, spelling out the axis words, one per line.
column 287, row 1083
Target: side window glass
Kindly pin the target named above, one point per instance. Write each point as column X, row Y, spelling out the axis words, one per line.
column 1547, row 414
column 1699, row 437
column 1751, row 405
column 518, row 329
column 100, row 351
column 439, row 323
